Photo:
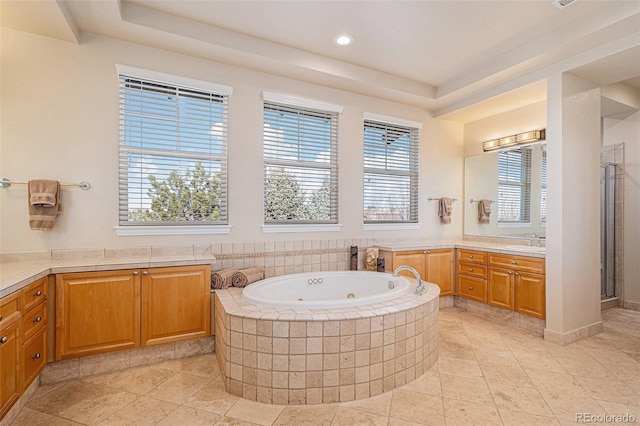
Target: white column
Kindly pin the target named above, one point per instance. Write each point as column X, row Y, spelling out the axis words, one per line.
column 573, row 220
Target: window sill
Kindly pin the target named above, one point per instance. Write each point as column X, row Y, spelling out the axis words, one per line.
column 270, row 229
column 126, row 231
column 390, row 226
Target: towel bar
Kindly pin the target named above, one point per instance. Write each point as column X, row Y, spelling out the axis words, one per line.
column 437, row 199
column 477, row 201
column 5, row 183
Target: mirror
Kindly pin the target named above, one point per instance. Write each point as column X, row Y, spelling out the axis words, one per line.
column 514, row 181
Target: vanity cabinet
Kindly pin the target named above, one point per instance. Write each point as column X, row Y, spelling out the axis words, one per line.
column 22, row 341
column 434, row 266
column 99, row 312
column 517, row 283
column 471, row 268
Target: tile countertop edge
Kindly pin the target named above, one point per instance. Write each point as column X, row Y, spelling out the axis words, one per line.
column 17, row 275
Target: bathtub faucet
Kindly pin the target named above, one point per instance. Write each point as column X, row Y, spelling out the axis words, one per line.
column 420, row 289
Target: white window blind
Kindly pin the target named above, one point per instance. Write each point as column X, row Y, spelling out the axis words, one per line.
column 390, row 172
column 301, row 164
column 173, row 154
column 514, row 185
column 543, row 190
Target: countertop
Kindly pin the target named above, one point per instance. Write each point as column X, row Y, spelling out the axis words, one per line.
column 519, row 250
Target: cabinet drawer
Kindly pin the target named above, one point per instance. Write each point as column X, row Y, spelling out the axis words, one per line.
column 33, row 321
column 472, row 269
column 10, row 309
column 472, row 288
column 472, row 256
column 520, row 263
column 34, row 293
column 33, row 357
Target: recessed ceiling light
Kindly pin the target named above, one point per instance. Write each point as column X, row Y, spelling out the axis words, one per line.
column 343, row 39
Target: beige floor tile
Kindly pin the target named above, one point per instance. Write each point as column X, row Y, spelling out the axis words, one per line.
column 572, row 351
column 177, row 364
column 487, row 338
column 178, row 388
column 230, row 421
column 418, row 408
column 472, row 389
column 380, row 405
column 566, row 406
column 255, row 412
column 137, row 380
column 518, row 418
column 468, row 413
column 494, row 355
column 454, row 336
column 455, row 350
column 93, row 410
column 428, row 383
column 459, row 367
column 587, row 367
column 212, row 398
column 607, row 356
column 29, row 417
column 189, row 416
column 348, row 417
column 321, row 415
column 555, row 382
column 538, row 360
column 609, row 390
column 205, row 366
column 59, row 421
column 141, row 412
column 519, row 398
column 617, row 409
column 505, row 373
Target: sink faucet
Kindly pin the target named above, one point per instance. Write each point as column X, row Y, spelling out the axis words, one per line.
column 420, row 289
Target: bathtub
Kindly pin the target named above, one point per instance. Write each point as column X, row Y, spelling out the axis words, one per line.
column 308, row 352
column 325, row 290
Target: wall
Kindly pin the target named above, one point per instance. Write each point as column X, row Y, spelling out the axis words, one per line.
column 60, row 121
column 626, row 128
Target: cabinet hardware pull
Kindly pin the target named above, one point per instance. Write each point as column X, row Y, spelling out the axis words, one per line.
column 0, row 317
column 4, row 339
column 470, row 257
column 135, row 273
column 513, row 262
column 510, row 272
column 470, row 288
column 428, row 251
column 37, row 293
column 470, row 269
column 517, row 273
column 36, row 356
column 37, row 319
column 145, row 272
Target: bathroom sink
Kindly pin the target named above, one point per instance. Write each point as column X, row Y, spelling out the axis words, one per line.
column 525, row 248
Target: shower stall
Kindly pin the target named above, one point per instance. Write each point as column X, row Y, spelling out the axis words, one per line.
column 608, row 230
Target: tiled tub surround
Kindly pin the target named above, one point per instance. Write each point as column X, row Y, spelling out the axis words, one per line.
column 287, row 356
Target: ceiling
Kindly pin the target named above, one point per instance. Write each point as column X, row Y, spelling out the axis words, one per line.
column 444, row 56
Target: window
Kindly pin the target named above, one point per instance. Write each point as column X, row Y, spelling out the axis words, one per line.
column 173, row 152
column 390, row 172
column 300, row 163
column 514, row 185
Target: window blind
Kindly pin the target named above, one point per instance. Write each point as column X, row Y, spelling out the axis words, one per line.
column 514, row 185
column 173, row 154
column 301, row 164
column 390, row 172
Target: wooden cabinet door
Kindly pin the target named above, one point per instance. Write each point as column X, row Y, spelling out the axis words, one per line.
column 439, row 269
column 9, row 377
column 472, row 288
column 500, row 288
column 413, row 258
column 97, row 312
column 176, row 304
column 33, row 358
column 530, row 294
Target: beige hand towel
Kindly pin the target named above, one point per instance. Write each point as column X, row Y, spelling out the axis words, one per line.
column 222, row 279
column 244, row 277
column 444, row 210
column 484, row 211
column 44, row 203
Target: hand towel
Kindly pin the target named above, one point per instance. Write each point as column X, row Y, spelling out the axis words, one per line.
column 484, row 211
column 44, row 203
column 244, row 277
column 222, row 279
column 444, row 210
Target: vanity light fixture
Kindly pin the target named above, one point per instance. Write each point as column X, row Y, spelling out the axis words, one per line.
column 509, row 141
column 343, row 39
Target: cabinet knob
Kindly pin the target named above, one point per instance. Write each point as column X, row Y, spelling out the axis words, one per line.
column 37, row 319
column 145, row 272
column 36, row 356
column 0, row 317
column 470, row 256
column 517, row 273
column 4, row 339
column 513, row 262
column 38, row 293
column 135, row 273
column 470, row 288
